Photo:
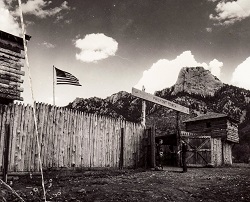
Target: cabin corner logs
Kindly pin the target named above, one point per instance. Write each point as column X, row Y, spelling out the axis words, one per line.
column 11, row 63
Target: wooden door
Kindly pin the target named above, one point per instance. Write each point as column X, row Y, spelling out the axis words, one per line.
column 199, row 151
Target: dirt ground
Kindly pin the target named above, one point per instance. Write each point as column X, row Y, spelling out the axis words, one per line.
column 198, row 184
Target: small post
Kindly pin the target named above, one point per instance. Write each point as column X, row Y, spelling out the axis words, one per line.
column 6, row 152
column 152, row 147
column 178, row 138
column 184, row 156
column 122, row 149
column 143, row 122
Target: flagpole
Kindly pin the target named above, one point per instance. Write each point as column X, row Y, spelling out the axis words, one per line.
column 54, row 85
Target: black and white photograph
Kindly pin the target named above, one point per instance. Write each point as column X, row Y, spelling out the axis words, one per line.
column 124, row 100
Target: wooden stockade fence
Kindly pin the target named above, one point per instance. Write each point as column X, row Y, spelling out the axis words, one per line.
column 68, row 138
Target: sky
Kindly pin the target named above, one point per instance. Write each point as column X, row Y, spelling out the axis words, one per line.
column 114, row 45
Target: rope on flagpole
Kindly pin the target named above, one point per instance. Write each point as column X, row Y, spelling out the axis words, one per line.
column 33, row 99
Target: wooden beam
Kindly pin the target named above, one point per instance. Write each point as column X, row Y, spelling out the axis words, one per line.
column 14, row 71
column 5, row 45
column 9, row 83
column 11, row 78
column 11, row 64
column 11, row 87
column 12, row 44
column 10, row 91
column 11, row 97
column 160, row 101
column 12, row 53
column 9, row 57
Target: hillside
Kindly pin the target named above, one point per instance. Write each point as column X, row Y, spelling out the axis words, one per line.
column 195, row 88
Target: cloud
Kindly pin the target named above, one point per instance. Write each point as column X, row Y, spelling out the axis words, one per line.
column 241, row 74
column 47, row 45
column 40, row 8
column 209, row 29
column 164, row 72
column 95, row 47
column 7, row 22
column 230, row 12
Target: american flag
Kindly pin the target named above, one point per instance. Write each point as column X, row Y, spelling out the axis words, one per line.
column 66, row 78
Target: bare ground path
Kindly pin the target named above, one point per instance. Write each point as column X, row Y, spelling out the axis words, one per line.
column 203, row 184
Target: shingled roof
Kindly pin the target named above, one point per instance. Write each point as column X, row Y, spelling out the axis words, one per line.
column 211, row 115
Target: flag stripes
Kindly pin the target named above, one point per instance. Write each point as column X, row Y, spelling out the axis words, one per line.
column 65, row 78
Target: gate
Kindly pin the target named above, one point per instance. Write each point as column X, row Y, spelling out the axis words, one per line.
column 199, row 150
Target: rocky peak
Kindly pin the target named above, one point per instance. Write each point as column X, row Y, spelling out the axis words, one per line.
column 115, row 97
column 197, row 80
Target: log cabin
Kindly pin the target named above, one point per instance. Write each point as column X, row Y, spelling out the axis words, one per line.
column 11, row 64
column 210, row 138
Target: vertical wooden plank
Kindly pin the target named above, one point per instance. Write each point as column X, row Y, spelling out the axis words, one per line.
column 104, row 141
column 28, row 140
column 11, row 121
column 45, row 115
column 71, row 128
column 45, row 135
column 100, row 138
column 24, row 139
column 107, row 142
column 21, row 137
column 78, row 142
column 33, row 142
column 125, row 142
column 64, row 139
column 84, row 156
column 91, row 140
column 74, row 139
column 88, row 148
column 95, row 141
column 6, row 152
column 60, row 137
column 2, row 132
column 122, row 149
column 17, row 157
column 36, row 137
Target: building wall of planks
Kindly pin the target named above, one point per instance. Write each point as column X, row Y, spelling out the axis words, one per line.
column 67, row 138
column 11, row 56
column 223, row 128
column 221, row 150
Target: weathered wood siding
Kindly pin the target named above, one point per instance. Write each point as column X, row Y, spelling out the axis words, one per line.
column 11, row 57
column 227, row 153
column 232, row 132
column 67, row 138
column 219, row 150
column 216, row 148
column 215, row 127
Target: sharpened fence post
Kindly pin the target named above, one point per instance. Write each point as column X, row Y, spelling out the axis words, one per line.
column 122, row 149
column 6, row 152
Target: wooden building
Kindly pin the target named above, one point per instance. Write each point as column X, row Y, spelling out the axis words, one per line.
column 210, row 138
column 11, row 56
